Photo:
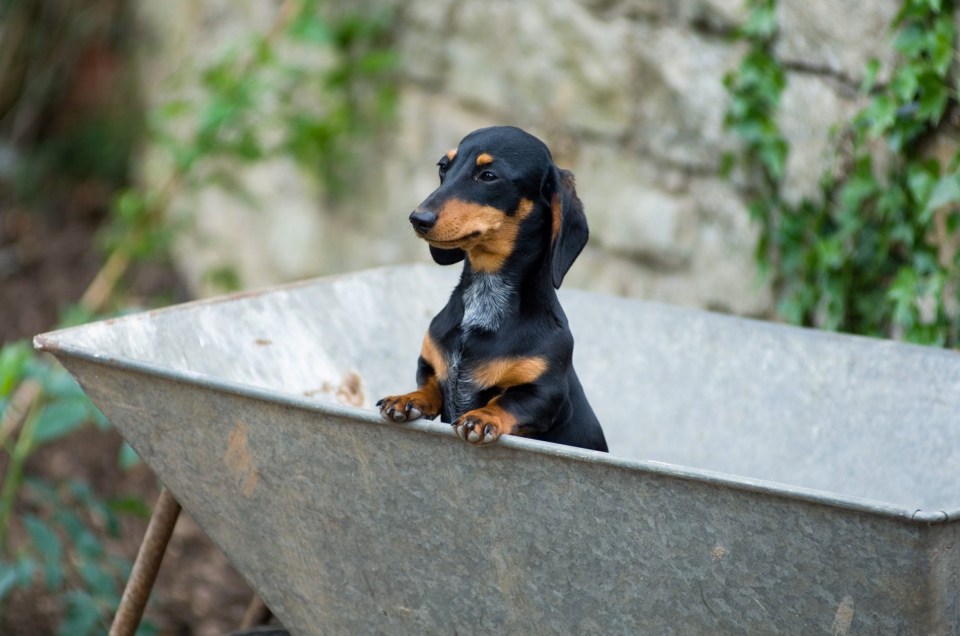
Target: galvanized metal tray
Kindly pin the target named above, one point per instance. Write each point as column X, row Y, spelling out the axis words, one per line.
column 762, row 478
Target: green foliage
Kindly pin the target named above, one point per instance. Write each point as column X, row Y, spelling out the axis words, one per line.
column 877, row 252
column 70, row 110
column 754, row 92
column 266, row 98
column 66, row 554
column 259, row 101
column 63, row 523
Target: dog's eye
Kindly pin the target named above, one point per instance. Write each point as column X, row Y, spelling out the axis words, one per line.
column 487, row 176
column 442, row 169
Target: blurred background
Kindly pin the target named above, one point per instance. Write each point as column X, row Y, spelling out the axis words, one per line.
column 781, row 160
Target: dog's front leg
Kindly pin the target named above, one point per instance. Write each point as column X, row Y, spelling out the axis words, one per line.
column 427, row 400
column 519, row 410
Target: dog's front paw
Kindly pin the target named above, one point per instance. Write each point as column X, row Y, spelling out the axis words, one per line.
column 412, row 406
column 482, row 426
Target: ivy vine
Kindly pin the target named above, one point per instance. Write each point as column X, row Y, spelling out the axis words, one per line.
column 877, row 251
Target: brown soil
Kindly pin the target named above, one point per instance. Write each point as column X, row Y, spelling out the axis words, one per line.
column 45, row 264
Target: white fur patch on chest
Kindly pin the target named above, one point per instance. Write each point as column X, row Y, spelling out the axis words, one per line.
column 485, row 302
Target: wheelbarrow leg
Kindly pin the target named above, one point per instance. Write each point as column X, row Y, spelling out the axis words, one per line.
column 257, row 613
column 144, row 573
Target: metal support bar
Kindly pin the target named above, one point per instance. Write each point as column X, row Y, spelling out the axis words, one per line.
column 257, row 613
column 145, row 568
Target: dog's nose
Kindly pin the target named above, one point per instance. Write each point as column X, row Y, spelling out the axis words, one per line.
column 423, row 220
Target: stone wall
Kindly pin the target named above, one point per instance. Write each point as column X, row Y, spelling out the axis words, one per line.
column 627, row 93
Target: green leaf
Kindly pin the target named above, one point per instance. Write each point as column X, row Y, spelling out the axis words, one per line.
column 85, row 496
column 174, row 108
column 41, row 490
column 933, row 97
column 75, row 314
column 903, row 293
column 88, row 545
column 829, row 252
column 310, row 28
column 129, row 206
column 146, row 628
column 61, row 418
column 130, row 506
column 47, row 543
column 946, row 190
column 774, row 156
column 871, row 71
column 377, row 61
column 225, row 277
column 264, row 51
column 880, row 115
column 72, row 524
column 248, row 146
column 99, row 582
column 97, row 417
column 218, row 113
column 127, row 457
column 728, row 161
column 761, row 23
column 891, row 202
column 924, row 263
column 14, row 574
column 13, row 365
column 921, row 179
column 57, row 383
column 43, row 537
column 82, row 617
column 911, row 40
column 942, row 48
column 904, row 83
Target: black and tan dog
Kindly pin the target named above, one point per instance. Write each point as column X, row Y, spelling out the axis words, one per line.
column 497, row 359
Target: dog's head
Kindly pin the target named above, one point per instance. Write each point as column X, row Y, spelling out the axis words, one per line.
column 501, row 192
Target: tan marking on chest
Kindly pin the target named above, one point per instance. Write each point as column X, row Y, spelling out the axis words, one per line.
column 508, row 372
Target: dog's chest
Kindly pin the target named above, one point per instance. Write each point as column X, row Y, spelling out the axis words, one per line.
column 485, row 304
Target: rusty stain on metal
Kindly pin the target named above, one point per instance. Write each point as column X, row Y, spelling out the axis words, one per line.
column 843, row 619
column 46, row 343
column 718, row 552
column 349, row 391
column 239, row 460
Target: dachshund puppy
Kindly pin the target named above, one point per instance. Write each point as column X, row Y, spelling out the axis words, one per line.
column 498, row 358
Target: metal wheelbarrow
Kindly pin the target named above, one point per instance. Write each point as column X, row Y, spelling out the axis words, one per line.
column 762, row 478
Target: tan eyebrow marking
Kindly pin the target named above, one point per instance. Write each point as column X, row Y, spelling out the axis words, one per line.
column 451, row 154
column 484, row 159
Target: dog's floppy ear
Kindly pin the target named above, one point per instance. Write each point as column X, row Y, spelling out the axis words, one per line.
column 570, row 231
column 446, row 257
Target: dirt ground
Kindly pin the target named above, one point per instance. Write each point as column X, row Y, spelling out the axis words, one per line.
column 46, row 262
